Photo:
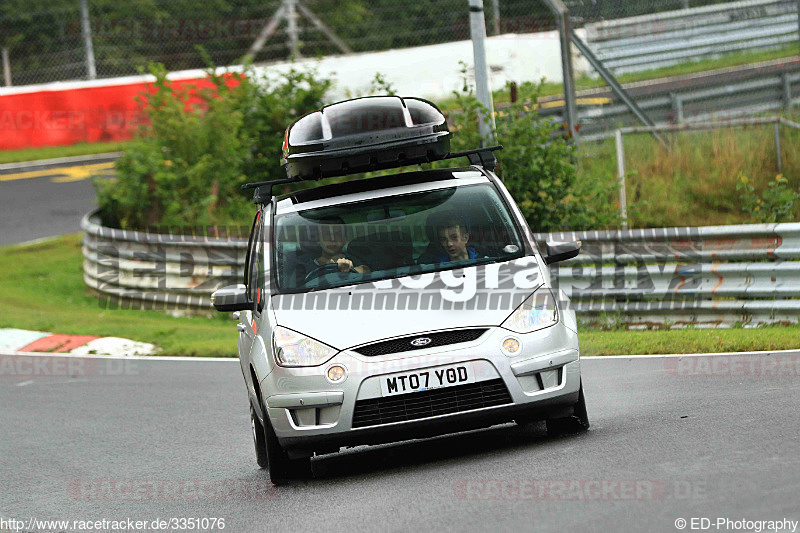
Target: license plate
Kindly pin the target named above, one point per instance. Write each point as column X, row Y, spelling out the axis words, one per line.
column 430, row 378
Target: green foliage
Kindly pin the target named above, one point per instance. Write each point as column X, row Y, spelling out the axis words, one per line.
column 188, row 164
column 380, row 85
column 777, row 203
column 537, row 163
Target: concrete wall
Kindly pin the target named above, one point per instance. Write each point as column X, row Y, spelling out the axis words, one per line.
column 64, row 113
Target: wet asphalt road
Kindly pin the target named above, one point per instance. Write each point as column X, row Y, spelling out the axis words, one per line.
column 161, row 439
column 38, row 202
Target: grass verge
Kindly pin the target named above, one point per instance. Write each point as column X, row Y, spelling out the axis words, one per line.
column 52, row 152
column 43, row 290
column 693, row 181
column 594, row 342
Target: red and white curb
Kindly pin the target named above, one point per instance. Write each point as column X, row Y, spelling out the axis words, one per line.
column 25, row 341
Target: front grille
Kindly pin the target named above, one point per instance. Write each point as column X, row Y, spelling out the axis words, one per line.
column 424, row 404
column 440, row 338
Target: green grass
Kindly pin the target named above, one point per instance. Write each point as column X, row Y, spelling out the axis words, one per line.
column 43, row 290
column 693, row 181
column 51, row 152
column 594, row 342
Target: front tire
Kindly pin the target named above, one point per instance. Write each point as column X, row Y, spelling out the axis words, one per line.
column 576, row 423
column 282, row 468
column 259, row 439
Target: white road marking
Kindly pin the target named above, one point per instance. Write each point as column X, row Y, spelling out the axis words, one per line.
column 671, row 355
column 25, row 383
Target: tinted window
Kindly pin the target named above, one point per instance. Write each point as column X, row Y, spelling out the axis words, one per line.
column 394, row 236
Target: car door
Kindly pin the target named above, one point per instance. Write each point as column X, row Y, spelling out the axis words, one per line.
column 247, row 326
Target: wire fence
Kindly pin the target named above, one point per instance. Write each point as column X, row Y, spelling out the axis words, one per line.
column 661, row 50
column 47, row 41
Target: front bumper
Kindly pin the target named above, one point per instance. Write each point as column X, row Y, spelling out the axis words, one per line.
column 309, row 413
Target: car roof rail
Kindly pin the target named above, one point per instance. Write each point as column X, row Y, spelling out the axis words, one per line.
column 483, row 157
column 263, row 189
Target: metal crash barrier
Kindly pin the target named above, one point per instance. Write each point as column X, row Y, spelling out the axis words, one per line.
column 707, row 276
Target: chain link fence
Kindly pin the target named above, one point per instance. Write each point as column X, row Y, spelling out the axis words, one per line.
column 46, row 40
column 744, row 45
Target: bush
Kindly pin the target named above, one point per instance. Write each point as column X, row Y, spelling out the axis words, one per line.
column 776, row 203
column 187, row 165
column 537, row 164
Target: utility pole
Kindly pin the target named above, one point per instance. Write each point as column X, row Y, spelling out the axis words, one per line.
column 477, row 26
column 86, row 30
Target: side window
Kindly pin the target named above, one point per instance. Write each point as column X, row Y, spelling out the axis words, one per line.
column 260, row 276
column 249, row 258
column 256, row 265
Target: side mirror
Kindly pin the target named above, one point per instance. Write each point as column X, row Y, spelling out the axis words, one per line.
column 231, row 298
column 561, row 251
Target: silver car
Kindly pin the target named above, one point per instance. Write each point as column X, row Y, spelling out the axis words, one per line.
column 398, row 307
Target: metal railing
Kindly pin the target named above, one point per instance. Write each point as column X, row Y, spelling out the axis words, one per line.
column 776, row 122
column 174, row 272
column 708, row 276
column 664, row 39
column 709, row 96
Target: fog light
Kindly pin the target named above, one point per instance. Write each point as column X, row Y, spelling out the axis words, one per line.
column 336, row 373
column 511, row 346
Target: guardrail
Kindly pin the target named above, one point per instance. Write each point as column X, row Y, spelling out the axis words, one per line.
column 664, row 39
column 708, row 276
column 714, row 95
column 175, row 272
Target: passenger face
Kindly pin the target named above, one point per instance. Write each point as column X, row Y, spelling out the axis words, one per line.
column 332, row 238
column 454, row 241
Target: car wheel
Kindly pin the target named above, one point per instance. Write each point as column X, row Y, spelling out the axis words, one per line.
column 282, row 468
column 579, row 421
column 259, row 439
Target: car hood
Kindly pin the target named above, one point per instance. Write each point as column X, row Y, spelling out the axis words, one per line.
column 344, row 317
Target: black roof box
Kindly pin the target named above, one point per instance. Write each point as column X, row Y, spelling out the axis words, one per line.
column 365, row 134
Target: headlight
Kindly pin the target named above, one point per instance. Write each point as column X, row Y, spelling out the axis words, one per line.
column 293, row 349
column 537, row 312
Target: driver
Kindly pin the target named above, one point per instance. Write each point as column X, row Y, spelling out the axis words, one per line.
column 331, row 241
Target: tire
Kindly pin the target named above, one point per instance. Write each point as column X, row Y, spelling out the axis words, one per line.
column 578, row 422
column 259, row 439
column 281, row 468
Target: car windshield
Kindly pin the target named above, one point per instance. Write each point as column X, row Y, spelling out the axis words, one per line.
column 391, row 237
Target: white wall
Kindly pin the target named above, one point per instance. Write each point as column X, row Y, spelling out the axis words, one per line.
column 434, row 71
column 428, row 71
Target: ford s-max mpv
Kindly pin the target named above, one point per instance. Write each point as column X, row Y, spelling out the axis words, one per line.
column 398, row 306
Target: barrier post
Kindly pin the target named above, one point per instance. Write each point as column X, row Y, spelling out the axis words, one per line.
column 623, row 199
column 778, row 145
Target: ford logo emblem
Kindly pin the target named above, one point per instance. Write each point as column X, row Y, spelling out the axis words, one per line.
column 421, row 341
